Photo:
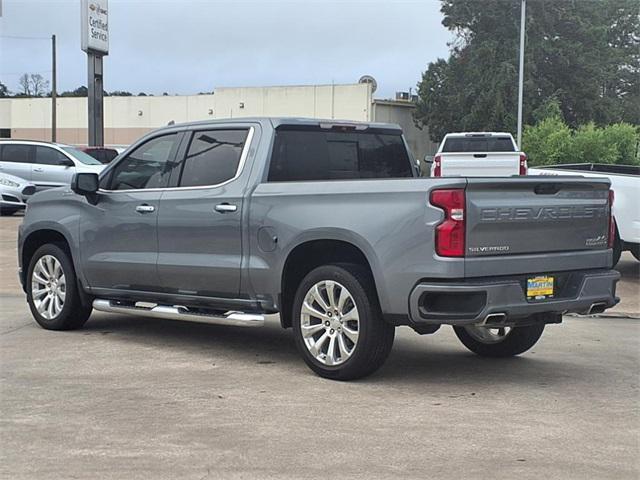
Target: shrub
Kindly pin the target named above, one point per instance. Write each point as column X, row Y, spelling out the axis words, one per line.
column 589, row 145
column 551, row 141
column 547, row 142
column 625, row 138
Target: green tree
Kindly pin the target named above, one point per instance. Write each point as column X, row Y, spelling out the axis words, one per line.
column 81, row 91
column 4, row 90
column 584, row 54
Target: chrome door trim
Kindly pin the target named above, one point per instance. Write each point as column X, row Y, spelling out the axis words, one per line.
column 241, row 163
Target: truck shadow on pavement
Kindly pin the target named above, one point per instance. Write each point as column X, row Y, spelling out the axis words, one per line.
column 412, row 360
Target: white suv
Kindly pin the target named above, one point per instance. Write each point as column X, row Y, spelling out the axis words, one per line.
column 44, row 164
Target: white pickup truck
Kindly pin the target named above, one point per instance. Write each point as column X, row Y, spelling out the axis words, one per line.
column 478, row 154
column 625, row 183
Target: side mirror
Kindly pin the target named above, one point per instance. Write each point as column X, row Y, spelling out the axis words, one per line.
column 85, row 184
column 65, row 162
column 428, row 159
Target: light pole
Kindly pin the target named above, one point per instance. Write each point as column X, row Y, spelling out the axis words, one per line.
column 521, row 71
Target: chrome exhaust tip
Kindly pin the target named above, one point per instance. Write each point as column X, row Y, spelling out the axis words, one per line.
column 597, row 307
column 493, row 319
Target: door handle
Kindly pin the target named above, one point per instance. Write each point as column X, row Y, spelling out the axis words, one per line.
column 225, row 208
column 145, row 208
column 38, row 169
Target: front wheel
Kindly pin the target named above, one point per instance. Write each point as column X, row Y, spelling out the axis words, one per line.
column 52, row 290
column 338, row 325
column 501, row 341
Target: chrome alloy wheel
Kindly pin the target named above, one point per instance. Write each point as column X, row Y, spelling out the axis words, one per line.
column 330, row 323
column 488, row 335
column 48, row 287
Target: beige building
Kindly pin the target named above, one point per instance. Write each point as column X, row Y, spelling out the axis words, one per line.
column 128, row 118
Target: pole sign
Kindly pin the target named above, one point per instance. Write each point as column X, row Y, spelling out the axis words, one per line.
column 95, row 26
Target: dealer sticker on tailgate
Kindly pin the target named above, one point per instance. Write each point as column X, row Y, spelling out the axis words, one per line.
column 539, row 288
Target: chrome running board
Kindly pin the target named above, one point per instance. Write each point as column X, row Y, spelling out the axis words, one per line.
column 177, row 312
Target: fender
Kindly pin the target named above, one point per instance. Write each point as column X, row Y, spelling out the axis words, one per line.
column 346, row 236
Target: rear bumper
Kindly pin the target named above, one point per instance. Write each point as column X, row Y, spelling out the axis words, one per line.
column 479, row 301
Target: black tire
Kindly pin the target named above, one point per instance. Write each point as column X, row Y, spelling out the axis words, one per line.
column 7, row 211
column 375, row 335
column 73, row 314
column 617, row 249
column 519, row 340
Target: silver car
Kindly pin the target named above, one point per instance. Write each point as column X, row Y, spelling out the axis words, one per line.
column 14, row 192
column 45, row 164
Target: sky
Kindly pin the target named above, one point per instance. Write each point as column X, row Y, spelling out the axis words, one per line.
column 188, row 46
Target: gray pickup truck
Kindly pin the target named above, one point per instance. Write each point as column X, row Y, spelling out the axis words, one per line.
column 325, row 223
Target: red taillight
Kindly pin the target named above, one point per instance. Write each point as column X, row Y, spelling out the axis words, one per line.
column 523, row 164
column 450, row 233
column 437, row 166
column 612, row 220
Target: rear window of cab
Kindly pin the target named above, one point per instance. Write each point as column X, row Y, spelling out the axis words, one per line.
column 478, row 144
column 313, row 153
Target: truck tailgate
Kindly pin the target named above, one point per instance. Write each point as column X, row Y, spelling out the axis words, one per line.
column 480, row 164
column 534, row 215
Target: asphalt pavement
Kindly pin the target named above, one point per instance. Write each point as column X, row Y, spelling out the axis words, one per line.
column 137, row 398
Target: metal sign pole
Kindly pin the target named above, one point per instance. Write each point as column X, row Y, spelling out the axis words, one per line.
column 94, row 39
column 95, row 100
column 54, row 93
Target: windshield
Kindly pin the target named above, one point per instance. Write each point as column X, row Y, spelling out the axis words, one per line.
column 81, row 156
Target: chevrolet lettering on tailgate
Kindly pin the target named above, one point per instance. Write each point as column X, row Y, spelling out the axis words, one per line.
column 507, row 214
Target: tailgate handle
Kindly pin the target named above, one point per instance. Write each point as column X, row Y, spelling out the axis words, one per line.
column 479, row 155
column 547, row 189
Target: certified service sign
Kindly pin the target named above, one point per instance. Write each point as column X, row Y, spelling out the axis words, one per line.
column 95, row 26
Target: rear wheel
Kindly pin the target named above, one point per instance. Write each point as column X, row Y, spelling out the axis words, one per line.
column 338, row 325
column 499, row 342
column 52, row 290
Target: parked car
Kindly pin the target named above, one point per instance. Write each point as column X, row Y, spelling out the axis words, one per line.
column 625, row 183
column 325, row 223
column 103, row 154
column 45, row 164
column 14, row 192
column 478, row 154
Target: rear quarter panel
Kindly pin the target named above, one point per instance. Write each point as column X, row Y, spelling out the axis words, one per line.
column 390, row 221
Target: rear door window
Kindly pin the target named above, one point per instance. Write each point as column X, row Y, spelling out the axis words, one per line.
column 51, row 156
column 15, row 153
column 478, row 144
column 213, row 157
column 317, row 154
